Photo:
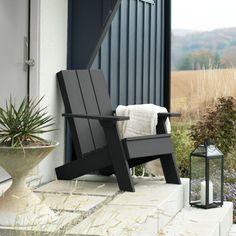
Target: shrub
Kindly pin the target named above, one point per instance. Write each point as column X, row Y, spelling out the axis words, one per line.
column 183, row 146
column 217, row 124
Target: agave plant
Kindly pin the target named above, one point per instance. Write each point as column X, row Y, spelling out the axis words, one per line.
column 21, row 127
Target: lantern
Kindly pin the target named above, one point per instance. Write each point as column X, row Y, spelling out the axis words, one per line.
column 206, row 176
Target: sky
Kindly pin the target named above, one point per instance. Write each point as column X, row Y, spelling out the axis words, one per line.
column 203, row 15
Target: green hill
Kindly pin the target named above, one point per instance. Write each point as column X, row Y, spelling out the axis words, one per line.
column 220, row 43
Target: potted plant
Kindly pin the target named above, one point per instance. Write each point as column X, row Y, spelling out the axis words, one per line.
column 21, row 149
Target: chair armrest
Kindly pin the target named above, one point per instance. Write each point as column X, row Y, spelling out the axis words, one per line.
column 161, row 127
column 96, row 117
column 169, row 114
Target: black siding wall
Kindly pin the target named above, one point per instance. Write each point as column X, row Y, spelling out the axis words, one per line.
column 88, row 23
column 133, row 52
column 132, row 55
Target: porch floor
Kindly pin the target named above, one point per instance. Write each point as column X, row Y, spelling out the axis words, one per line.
column 93, row 205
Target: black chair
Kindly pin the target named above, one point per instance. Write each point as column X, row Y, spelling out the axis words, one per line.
column 95, row 138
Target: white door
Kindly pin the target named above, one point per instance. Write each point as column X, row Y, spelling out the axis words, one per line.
column 14, row 73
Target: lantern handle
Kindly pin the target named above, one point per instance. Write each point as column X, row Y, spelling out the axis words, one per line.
column 207, row 142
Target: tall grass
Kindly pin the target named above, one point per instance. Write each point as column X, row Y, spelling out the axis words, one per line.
column 193, row 91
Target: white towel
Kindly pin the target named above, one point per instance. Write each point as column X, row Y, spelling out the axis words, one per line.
column 143, row 120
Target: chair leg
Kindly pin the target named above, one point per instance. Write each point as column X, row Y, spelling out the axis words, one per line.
column 170, row 169
column 106, row 171
column 119, row 160
column 91, row 162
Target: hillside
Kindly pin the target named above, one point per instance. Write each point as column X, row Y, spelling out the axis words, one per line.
column 220, row 41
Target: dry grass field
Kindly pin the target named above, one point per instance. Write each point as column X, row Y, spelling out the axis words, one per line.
column 193, row 90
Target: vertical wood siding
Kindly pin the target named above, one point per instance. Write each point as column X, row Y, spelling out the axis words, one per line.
column 131, row 54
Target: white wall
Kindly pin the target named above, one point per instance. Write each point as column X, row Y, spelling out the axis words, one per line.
column 52, row 58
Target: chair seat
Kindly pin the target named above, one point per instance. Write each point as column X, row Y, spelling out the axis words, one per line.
column 146, row 146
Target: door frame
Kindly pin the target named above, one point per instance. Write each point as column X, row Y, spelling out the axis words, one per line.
column 33, row 50
column 34, row 47
column 34, row 53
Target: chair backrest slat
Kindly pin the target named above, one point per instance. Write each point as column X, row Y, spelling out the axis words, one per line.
column 85, row 92
column 91, row 105
column 101, row 91
column 73, row 101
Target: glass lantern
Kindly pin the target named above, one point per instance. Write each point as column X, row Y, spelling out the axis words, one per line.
column 206, row 176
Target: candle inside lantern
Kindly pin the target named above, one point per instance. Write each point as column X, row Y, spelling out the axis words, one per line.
column 203, row 192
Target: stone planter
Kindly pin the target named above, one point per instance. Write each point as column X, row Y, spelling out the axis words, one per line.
column 19, row 206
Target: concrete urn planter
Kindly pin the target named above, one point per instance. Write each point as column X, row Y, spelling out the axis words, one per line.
column 19, row 206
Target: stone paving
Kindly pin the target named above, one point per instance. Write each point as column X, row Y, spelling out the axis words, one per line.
column 94, row 206
column 201, row 222
column 233, row 230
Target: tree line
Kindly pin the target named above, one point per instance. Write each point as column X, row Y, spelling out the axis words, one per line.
column 206, row 59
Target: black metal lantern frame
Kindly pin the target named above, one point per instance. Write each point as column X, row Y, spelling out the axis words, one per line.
column 206, row 177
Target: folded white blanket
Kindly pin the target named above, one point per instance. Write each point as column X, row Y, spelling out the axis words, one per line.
column 143, row 120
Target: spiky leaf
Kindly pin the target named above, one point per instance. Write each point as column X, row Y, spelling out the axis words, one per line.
column 21, row 127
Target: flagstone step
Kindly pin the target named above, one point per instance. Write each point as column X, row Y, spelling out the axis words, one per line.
column 62, row 221
column 232, row 231
column 144, row 212
column 192, row 221
column 80, row 187
column 94, row 205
